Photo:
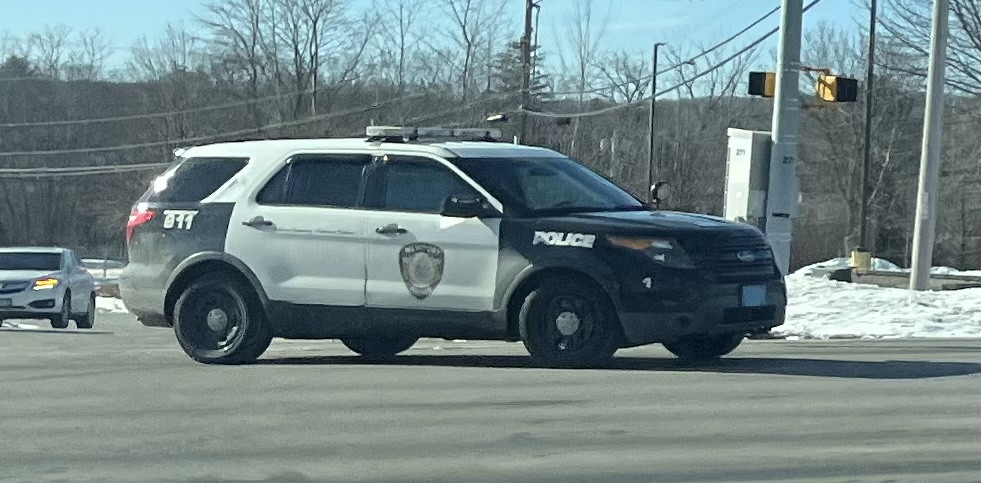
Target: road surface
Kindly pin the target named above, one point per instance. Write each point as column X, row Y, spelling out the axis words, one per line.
column 124, row 403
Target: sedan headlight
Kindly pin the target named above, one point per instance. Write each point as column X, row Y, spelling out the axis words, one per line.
column 664, row 251
column 46, row 283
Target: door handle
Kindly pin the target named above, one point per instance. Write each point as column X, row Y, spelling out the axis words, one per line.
column 391, row 229
column 258, row 222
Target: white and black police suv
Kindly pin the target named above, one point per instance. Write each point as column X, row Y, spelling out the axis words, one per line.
column 441, row 233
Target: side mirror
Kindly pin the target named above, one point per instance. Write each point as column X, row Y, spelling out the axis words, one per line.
column 467, row 206
column 657, row 193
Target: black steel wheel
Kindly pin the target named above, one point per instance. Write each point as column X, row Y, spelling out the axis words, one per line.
column 218, row 320
column 705, row 347
column 567, row 324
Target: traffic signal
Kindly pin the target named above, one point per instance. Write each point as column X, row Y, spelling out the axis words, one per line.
column 762, row 83
column 833, row 88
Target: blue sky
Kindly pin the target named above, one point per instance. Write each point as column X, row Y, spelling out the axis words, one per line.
column 632, row 25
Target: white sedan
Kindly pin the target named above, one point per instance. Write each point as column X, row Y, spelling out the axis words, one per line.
column 46, row 283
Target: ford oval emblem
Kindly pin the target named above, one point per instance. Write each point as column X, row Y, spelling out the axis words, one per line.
column 746, row 256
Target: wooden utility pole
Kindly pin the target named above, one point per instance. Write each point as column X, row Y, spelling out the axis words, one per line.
column 526, row 68
column 651, row 125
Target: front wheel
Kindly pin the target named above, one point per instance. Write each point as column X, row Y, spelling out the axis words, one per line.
column 87, row 320
column 380, row 348
column 704, row 348
column 218, row 320
column 567, row 324
column 61, row 320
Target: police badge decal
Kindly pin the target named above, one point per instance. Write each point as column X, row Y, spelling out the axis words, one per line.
column 422, row 268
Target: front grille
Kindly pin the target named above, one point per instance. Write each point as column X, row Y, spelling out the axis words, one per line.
column 13, row 287
column 732, row 259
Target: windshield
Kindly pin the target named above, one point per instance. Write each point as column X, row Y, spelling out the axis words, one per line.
column 547, row 186
column 30, row 261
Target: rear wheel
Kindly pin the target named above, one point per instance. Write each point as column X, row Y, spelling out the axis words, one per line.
column 380, row 348
column 87, row 320
column 218, row 320
column 704, row 348
column 61, row 320
column 569, row 324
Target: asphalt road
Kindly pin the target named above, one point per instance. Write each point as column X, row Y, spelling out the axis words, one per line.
column 124, row 403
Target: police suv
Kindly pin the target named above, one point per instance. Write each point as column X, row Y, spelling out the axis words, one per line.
column 416, row 232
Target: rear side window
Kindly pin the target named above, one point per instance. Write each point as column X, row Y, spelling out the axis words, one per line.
column 194, row 179
column 415, row 185
column 317, row 180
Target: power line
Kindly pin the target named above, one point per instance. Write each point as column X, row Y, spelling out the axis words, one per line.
column 133, row 117
column 209, row 137
column 647, row 78
column 675, row 87
column 127, row 168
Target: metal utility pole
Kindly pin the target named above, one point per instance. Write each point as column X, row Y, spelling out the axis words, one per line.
column 926, row 198
column 863, row 208
column 526, row 68
column 782, row 202
column 651, row 120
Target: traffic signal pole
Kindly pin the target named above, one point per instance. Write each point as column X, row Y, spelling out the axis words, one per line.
column 924, row 231
column 783, row 199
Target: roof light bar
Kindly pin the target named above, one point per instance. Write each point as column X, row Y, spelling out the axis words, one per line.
column 390, row 131
column 412, row 133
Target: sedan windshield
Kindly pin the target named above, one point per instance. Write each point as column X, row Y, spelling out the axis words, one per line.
column 30, row 261
column 547, row 186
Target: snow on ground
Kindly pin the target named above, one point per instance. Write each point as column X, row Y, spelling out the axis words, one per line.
column 109, row 304
column 821, row 308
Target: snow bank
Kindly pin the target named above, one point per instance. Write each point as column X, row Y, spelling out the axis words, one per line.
column 878, row 264
column 820, row 308
column 111, row 305
column 840, row 263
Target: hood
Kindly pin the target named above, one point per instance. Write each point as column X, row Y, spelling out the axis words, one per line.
column 657, row 222
column 24, row 275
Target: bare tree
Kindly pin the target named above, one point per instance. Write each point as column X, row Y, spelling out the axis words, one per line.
column 907, row 33
column 399, row 36
column 236, row 31
column 469, row 19
column 628, row 74
column 87, row 57
column 584, row 37
column 51, row 48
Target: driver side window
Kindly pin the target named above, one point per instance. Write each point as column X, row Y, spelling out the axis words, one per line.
column 414, row 185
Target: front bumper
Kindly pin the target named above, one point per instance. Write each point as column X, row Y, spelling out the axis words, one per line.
column 31, row 304
column 695, row 308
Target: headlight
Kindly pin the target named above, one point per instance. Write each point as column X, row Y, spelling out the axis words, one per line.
column 46, row 283
column 664, row 251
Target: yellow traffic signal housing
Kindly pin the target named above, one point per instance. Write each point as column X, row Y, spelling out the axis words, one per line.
column 762, row 83
column 833, row 88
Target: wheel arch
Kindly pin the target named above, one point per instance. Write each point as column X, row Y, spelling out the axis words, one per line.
column 533, row 277
column 208, row 262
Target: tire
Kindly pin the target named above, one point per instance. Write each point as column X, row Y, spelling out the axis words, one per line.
column 219, row 320
column 87, row 320
column 568, row 324
column 380, row 348
column 62, row 320
column 704, row 348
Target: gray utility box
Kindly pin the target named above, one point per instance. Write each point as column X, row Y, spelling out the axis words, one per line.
column 747, row 176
